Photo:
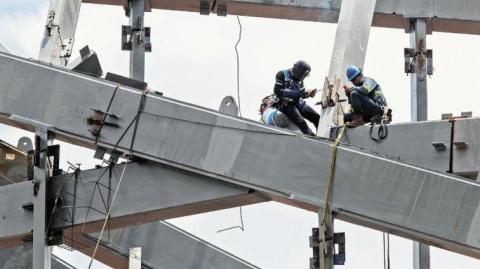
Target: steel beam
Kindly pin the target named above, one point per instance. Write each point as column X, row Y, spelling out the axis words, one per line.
column 350, row 48
column 187, row 252
column 416, row 203
column 21, row 257
column 137, row 54
column 443, row 15
column 41, row 252
column 419, row 111
column 59, row 32
column 171, row 193
column 418, row 79
column 466, row 148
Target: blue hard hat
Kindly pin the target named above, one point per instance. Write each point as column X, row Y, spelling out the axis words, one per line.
column 353, row 72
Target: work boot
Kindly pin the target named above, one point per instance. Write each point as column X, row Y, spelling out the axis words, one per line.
column 356, row 121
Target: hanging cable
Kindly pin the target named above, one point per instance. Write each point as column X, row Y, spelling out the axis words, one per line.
column 238, row 64
column 242, row 227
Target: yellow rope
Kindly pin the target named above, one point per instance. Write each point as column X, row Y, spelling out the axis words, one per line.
column 329, row 189
column 332, row 172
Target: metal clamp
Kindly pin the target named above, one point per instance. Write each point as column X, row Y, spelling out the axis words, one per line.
column 421, row 56
column 138, row 36
column 315, row 240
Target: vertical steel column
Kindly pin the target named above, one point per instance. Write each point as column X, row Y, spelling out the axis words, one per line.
column 327, row 246
column 41, row 252
column 351, row 41
column 137, row 54
column 419, row 110
column 59, row 33
column 135, row 258
column 418, row 79
column 421, row 256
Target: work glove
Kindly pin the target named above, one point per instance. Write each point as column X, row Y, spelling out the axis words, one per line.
column 309, row 93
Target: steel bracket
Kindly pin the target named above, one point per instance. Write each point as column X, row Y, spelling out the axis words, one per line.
column 421, row 56
column 138, row 36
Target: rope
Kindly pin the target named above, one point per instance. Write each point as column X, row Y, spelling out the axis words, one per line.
column 108, row 216
column 331, row 173
column 330, row 184
column 238, row 65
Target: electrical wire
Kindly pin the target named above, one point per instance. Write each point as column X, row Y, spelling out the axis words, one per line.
column 238, row 64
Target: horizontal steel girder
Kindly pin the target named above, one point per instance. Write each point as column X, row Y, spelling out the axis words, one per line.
column 426, row 144
column 149, row 192
column 461, row 16
column 370, row 189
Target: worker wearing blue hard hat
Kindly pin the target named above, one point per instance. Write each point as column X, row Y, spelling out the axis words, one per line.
column 365, row 96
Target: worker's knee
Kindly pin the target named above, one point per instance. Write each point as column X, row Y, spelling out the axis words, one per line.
column 354, row 95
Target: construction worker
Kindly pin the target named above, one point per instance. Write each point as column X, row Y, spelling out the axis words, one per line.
column 290, row 91
column 365, row 97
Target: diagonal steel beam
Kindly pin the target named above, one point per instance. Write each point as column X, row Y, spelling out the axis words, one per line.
column 187, row 252
column 370, row 189
column 58, row 36
column 21, row 257
column 350, row 48
column 459, row 16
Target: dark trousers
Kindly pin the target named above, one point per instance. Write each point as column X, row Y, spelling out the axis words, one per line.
column 363, row 105
column 298, row 116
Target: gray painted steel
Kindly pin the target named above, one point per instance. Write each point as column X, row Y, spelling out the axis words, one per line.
column 461, row 16
column 370, row 189
column 41, row 252
column 160, row 192
column 350, row 48
column 62, row 28
column 171, row 193
column 229, row 106
column 466, row 161
column 408, row 142
column 166, row 246
column 21, row 258
column 137, row 55
column 421, row 256
column 419, row 112
column 418, row 80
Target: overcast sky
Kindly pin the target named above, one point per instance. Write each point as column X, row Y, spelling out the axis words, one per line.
column 193, row 60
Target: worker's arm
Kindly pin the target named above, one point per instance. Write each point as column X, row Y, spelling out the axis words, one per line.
column 280, row 88
column 367, row 87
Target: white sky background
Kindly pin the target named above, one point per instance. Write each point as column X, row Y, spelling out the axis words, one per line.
column 193, row 60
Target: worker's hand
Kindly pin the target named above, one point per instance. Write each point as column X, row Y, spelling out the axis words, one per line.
column 310, row 93
column 348, row 90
